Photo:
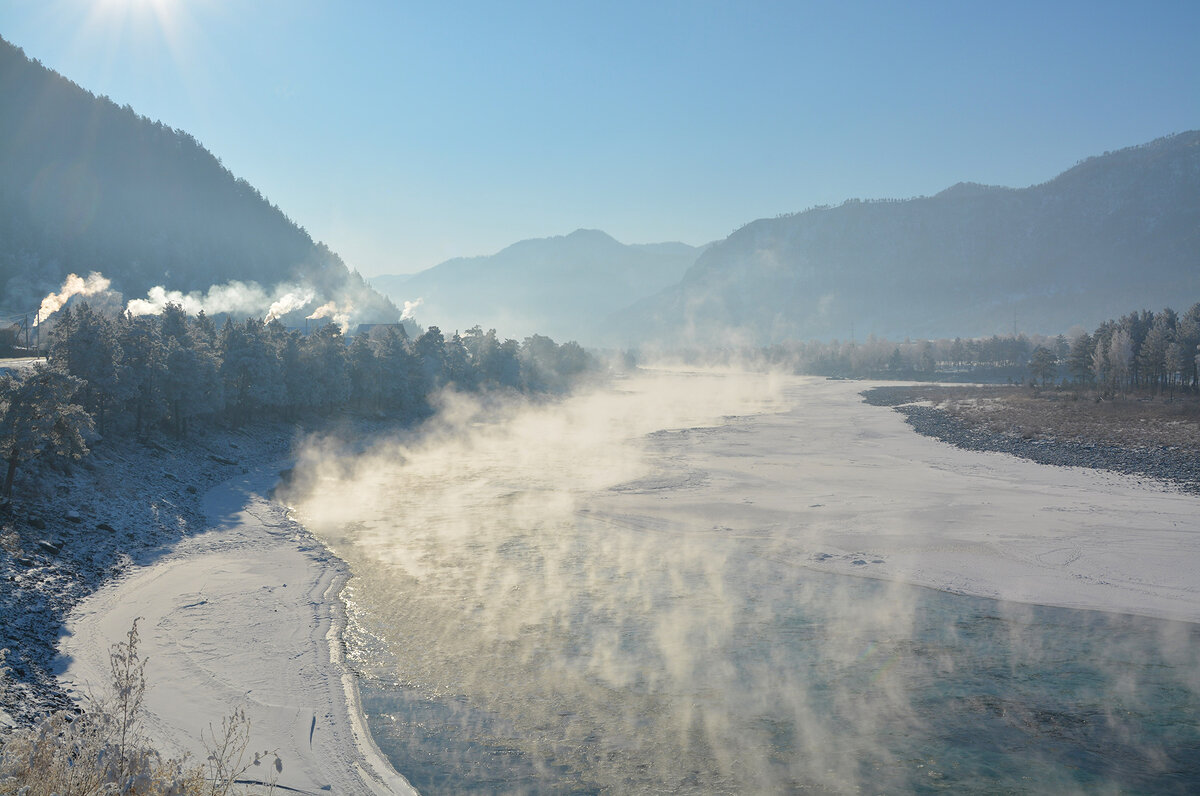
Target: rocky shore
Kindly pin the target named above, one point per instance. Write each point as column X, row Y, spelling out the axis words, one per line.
column 1176, row 465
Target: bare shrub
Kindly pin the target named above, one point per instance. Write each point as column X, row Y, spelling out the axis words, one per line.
column 101, row 750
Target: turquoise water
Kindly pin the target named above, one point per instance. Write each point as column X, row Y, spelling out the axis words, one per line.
column 971, row 696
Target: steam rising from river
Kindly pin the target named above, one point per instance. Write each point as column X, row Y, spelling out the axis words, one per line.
column 525, row 568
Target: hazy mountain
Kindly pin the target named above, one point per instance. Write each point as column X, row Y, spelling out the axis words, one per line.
column 87, row 186
column 563, row 286
column 1117, row 232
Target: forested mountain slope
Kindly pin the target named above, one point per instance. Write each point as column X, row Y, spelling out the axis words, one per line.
column 87, row 186
column 1117, row 230
column 563, row 286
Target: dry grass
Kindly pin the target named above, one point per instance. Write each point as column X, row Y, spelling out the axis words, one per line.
column 102, row 751
column 1067, row 415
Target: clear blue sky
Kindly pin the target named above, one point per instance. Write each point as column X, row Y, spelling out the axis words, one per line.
column 403, row 134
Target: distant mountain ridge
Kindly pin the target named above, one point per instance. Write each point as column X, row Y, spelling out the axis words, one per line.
column 563, row 286
column 1116, row 232
column 87, row 186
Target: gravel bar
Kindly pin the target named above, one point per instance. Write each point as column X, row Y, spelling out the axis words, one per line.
column 1176, row 466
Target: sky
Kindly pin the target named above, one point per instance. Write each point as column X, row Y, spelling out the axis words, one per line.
column 403, row 134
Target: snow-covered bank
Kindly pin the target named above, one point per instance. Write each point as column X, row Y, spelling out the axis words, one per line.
column 66, row 533
column 243, row 615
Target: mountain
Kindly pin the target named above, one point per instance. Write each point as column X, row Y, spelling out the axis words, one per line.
column 1117, row 232
column 562, row 286
column 87, row 186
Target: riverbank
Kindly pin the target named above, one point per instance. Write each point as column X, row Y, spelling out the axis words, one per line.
column 1157, row 440
column 70, row 530
column 244, row 616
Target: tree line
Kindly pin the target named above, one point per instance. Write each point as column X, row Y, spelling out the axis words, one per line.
column 171, row 374
column 1144, row 351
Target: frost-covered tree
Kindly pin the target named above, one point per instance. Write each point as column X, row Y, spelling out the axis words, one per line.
column 365, row 377
column 1120, row 360
column 1080, row 359
column 457, row 364
column 1187, row 337
column 295, row 380
column 249, row 369
column 192, row 384
column 1043, row 364
column 84, row 344
column 38, row 417
column 430, row 352
column 325, row 362
column 142, row 369
column 1152, row 357
column 398, row 372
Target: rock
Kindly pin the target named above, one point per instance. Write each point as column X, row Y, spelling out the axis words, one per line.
column 191, row 490
column 73, row 516
column 38, row 523
column 49, row 547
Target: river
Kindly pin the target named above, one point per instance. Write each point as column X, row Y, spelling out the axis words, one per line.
column 696, row 582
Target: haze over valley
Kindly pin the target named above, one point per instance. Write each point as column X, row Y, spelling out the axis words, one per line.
column 630, row 398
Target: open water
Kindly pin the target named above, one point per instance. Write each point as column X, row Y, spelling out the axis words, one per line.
column 511, row 639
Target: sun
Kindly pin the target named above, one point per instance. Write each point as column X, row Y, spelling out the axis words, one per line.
column 138, row 24
column 141, row 12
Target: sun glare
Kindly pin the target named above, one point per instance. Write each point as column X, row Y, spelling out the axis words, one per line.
column 138, row 26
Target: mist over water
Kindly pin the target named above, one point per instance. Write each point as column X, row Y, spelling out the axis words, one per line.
column 529, row 615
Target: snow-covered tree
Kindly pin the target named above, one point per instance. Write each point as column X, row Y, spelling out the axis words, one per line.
column 325, row 362
column 84, row 344
column 142, row 369
column 38, row 417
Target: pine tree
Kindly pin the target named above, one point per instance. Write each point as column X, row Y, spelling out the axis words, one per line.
column 325, row 362
column 39, row 418
column 1080, row 359
column 1043, row 364
column 84, row 344
column 142, row 368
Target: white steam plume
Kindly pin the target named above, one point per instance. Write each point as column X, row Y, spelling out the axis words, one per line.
column 290, row 302
column 338, row 313
column 233, row 298
column 410, row 307
column 73, row 285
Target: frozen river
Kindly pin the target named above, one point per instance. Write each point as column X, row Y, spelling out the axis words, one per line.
column 703, row 582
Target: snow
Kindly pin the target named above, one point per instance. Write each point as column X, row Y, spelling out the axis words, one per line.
column 244, row 615
column 248, row 613
column 844, row 487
